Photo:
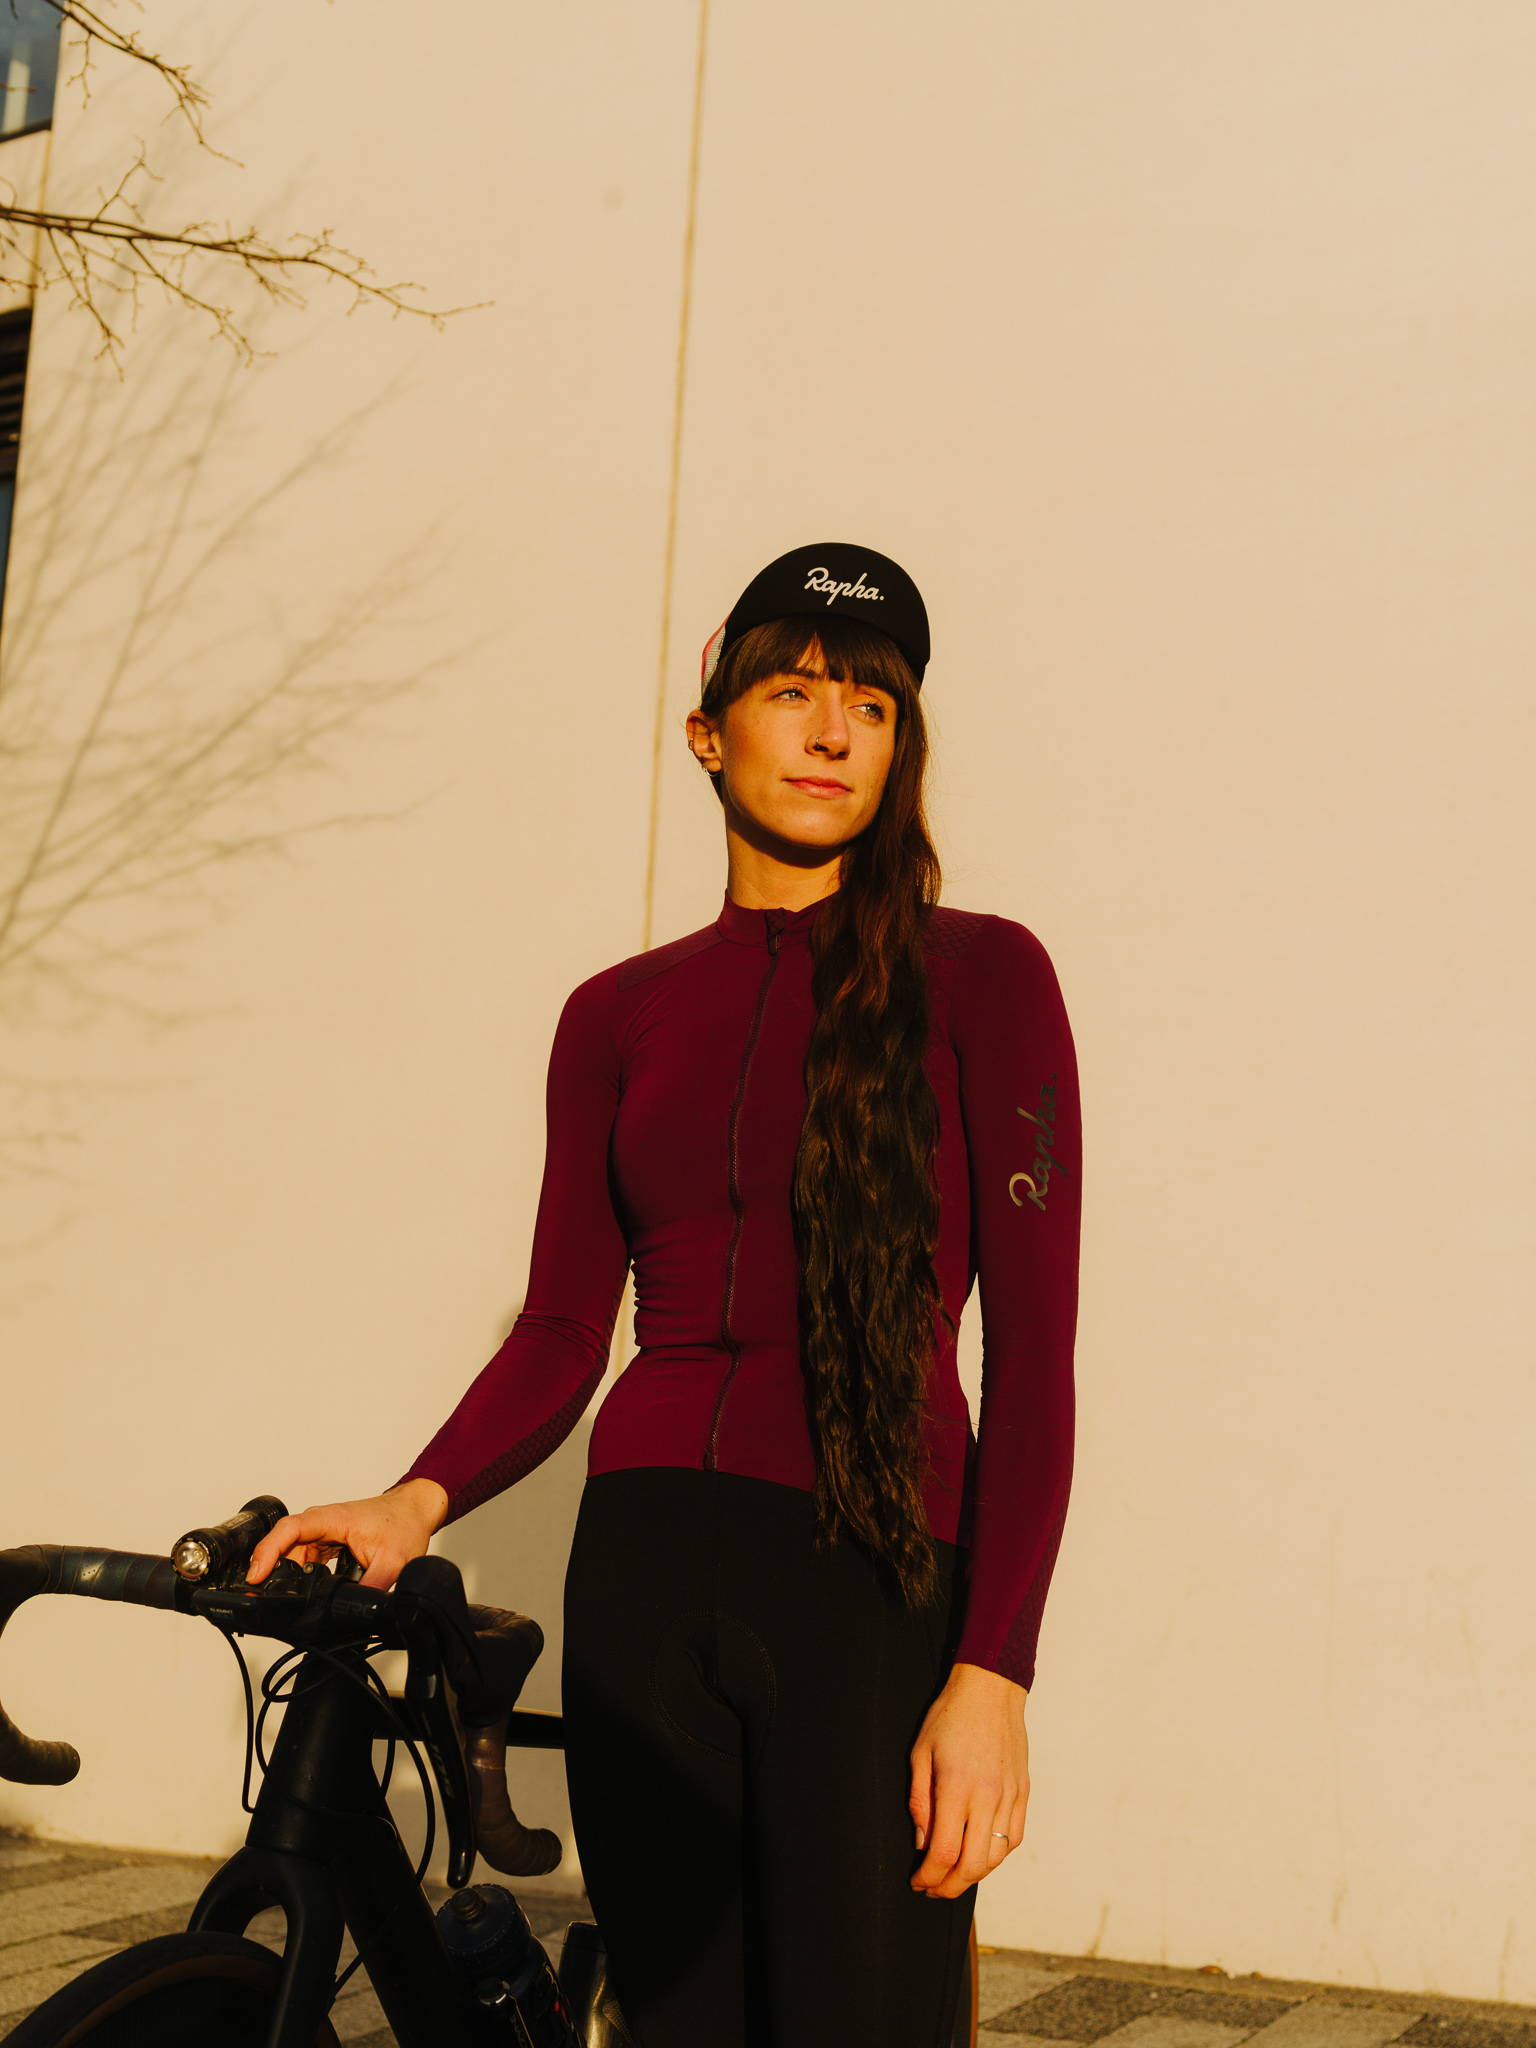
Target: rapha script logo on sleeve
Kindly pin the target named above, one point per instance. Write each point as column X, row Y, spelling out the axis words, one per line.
column 1037, row 1180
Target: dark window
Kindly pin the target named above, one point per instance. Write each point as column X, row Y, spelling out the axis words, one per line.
column 29, row 64
column 15, row 333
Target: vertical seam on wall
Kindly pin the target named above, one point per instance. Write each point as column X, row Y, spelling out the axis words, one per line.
column 625, row 1331
column 679, row 391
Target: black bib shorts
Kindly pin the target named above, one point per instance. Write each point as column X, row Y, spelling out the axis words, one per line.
column 740, row 1713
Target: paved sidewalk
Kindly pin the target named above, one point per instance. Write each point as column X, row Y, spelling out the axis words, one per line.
column 63, row 1907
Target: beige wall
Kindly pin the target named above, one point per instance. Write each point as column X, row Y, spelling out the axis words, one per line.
column 1183, row 355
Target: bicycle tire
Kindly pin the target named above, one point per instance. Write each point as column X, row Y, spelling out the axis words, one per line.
column 188, row 1990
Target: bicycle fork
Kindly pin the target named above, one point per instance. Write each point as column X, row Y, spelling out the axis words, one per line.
column 323, row 1847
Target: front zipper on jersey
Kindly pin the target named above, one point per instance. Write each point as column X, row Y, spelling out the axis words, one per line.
column 712, row 1448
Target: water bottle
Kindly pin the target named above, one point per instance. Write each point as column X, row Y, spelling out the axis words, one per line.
column 501, row 1964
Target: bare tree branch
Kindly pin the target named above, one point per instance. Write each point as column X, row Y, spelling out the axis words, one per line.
column 98, row 28
column 115, row 250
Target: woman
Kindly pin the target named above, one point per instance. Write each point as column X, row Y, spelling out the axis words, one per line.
column 802, row 1601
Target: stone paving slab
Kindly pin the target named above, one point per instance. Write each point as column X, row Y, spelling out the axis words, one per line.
column 1076, row 2009
column 64, row 1906
column 1320, row 2023
column 124, row 1928
column 23, row 1956
column 1175, row 2030
column 1471, row 2030
column 47, row 1967
column 1006, row 1983
column 357, row 2014
column 1244, row 2010
column 70, row 1903
column 1124, row 2008
column 1427, row 2019
column 21, row 1876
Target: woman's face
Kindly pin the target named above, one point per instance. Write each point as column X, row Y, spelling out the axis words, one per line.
column 803, row 757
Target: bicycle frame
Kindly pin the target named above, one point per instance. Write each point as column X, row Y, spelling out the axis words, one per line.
column 322, row 1844
column 323, row 1847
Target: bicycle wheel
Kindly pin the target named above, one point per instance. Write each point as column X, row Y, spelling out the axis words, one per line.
column 177, row 1991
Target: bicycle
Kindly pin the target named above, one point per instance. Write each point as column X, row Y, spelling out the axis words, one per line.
column 322, row 1843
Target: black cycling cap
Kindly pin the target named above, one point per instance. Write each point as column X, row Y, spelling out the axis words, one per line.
column 835, row 576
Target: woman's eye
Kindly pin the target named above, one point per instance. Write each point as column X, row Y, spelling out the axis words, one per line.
column 794, row 690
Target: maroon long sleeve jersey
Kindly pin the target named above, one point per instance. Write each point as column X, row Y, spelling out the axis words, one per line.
column 675, row 1099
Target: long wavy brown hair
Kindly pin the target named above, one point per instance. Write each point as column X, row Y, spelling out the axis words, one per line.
column 866, row 1207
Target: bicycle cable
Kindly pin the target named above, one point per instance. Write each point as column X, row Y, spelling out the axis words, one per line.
column 286, row 1668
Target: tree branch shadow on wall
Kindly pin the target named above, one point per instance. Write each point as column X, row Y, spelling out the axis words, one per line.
column 163, row 720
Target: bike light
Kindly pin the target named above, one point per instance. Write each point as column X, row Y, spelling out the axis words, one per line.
column 191, row 1558
column 222, row 1552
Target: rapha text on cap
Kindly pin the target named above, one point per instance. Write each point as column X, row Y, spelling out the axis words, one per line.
column 836, row 576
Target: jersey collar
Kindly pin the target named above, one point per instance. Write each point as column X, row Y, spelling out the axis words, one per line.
column 752, row 927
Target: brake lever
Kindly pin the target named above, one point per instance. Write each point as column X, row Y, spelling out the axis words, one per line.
column 425, row 1608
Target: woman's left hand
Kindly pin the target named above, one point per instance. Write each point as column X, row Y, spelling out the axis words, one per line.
column 970, row 1780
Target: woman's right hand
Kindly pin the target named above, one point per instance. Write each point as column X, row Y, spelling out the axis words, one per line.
column 383, row 1533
